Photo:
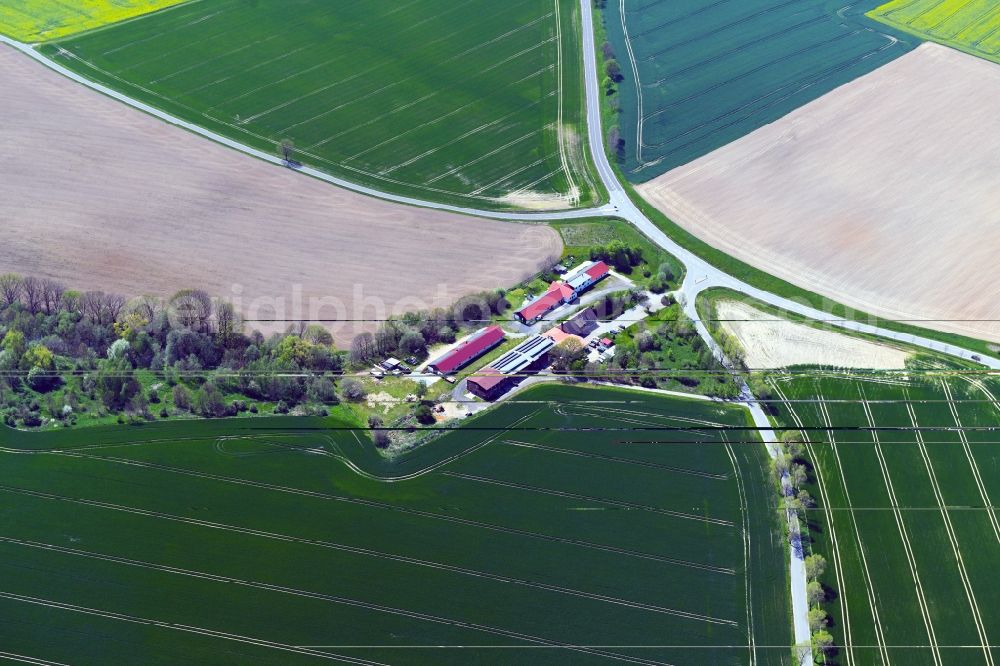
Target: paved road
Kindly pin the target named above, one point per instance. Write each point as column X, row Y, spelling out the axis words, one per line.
column 700, row 274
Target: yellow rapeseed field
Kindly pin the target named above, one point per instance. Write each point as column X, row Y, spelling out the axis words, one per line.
column 972, row 26
column 43, row 20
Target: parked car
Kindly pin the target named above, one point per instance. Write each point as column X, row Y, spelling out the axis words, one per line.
column 412, row 360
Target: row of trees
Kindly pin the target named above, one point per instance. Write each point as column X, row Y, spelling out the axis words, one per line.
column 669, row 342
column 792, row 473
column 613, row 76
column 88, row 346
column 414, row 332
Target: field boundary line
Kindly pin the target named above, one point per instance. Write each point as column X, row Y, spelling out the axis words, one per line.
column 869, row 585
column 638, row 84
column 824, row 497
column 273, row 587
column 626, row 461
column 600, row 500
column 433, row 466
column 122, row 617
column 983, row 494
column 953, row 538
column 360, row 188
column 560, row 130
column 27, row 659
column 420, row 513
column 416, row 615
column 632, row 412
column 748, row 588
column 903, row 533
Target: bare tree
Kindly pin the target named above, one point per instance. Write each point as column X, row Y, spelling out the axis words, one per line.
column 33, row 294
column 111, row 306
column 52, row 292
column 10, row 288
column 147, row 307
column 228, row 324
column 90, row 305
column 192, row 309
column 287, row 147
column 362, row 348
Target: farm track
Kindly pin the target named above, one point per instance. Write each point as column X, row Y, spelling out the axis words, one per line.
column 715, row 623
column 862, row 556
column 617, row 459
column 415, row 512
column 364, row 552
column 588, row 498
column 745, row 530
column 976, row 474
column 202, row 631
column 903, row 535
column 700, row 274
column 498, row 56
column 838, row 566
column 953, row 539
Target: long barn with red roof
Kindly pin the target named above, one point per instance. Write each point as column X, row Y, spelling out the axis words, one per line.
column 467, row 350
column 577, row 281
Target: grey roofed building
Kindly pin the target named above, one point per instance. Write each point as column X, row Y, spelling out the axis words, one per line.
column 582, row 323
column 523, row 356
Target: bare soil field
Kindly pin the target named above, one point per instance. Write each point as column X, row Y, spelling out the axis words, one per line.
column 883, row 195
column 770, row 342
column 101, row 196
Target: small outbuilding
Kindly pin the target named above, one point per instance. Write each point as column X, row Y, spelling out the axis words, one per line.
column 581, row 324
column 489, row 384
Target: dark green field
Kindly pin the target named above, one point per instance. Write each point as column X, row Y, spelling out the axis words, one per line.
column 905, row 469
column 464, row 102
column 711, row 71
column 520, row 536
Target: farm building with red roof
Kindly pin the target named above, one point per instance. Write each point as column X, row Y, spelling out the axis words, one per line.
column 467, row 350
column 579, row 280
column 557, row 294
column 489, row 384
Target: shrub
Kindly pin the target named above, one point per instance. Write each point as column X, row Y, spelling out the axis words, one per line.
column 182, row 397
column 322, row 390
column 352, row 390
column 424, row 414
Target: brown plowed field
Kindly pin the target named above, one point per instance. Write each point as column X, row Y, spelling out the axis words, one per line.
column 101, row 196
column 883, row 195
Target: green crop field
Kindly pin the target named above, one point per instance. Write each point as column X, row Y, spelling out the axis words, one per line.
column 972, row 26
column 474, row 103
column 711, row 71
column 572, row 526
column 37, row 20
column 905, row 468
